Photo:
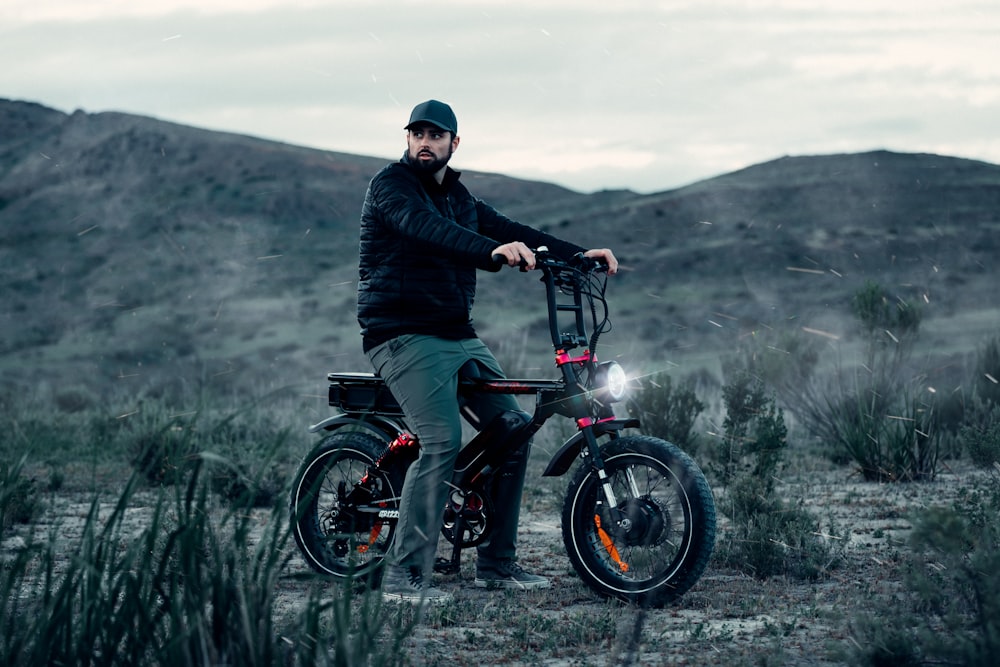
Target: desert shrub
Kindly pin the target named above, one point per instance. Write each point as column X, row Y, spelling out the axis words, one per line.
column 666, row 410
column 73, row 400
column 880, row 421
column 980, row 430
column 950, row 612
column 889, row 436
column 163, row 448
column 980, row 433
column 234, row 482
column 19, row 498
column 888, row 326
column 754, row 430
column 785, row 361
column 873, row 415
column 966, row 415
column 987, row 375
column 247, row 444
column 950, row 411
column 769, row 536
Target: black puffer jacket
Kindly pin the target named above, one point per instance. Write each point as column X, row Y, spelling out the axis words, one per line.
column 421, row 244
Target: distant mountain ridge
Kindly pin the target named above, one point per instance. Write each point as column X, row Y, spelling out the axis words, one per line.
column 135, row 251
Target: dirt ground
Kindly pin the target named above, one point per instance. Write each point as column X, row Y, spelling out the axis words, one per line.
column 727, row 619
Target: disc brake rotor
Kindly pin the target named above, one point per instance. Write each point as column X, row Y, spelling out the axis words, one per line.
column 637, row 522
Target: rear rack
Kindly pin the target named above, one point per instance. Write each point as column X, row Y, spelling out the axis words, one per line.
column 362, row 392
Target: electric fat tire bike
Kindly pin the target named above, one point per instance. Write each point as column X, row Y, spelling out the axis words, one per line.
column 638, row 519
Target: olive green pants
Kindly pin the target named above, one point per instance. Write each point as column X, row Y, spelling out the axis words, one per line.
column 422, row 373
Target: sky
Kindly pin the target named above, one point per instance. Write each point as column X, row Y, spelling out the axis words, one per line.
column 644, row 95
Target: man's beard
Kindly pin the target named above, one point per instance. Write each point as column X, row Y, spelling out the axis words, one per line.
column 427, row 166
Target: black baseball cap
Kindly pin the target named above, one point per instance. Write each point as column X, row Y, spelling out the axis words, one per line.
column 435, row 113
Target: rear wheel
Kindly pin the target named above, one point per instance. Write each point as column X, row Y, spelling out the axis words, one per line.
column 654, row 544
column 343, row 509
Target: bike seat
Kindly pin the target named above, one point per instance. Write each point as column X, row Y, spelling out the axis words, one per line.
column 353, row 377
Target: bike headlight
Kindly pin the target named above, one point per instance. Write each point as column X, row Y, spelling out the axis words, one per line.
column 612, row 380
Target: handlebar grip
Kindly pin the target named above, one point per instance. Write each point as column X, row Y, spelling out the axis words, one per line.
column 499, row 261
column 585, row 263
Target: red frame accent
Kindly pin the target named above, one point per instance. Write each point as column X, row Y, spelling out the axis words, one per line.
column 402, row 440
column 563, row 357
column 590, row 421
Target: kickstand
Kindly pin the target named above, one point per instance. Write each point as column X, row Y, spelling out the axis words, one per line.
column 453, row 566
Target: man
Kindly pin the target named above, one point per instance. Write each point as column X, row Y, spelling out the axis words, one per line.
column 423, row 236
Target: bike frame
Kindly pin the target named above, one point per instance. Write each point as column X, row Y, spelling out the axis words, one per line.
column 368, row 404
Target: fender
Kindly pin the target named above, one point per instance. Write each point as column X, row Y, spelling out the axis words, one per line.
column 382, row 427
column 563, row 459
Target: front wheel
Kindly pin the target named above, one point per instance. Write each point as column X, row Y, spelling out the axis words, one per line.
column 654, row 544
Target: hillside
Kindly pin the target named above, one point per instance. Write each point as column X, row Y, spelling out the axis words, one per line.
column 796, row 237
column 136, row 253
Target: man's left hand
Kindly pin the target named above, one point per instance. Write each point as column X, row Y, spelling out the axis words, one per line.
column 606, row 256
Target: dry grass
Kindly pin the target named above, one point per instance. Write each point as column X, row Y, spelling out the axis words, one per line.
column 726, row 619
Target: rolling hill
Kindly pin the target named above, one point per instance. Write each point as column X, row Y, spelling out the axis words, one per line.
column 138, row 253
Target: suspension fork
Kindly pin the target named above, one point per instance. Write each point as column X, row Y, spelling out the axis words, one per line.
column 597, row 464
column 602, row 475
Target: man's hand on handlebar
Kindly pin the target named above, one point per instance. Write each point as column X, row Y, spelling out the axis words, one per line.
column 604, row 255
column 519, row 254
column 515, row 254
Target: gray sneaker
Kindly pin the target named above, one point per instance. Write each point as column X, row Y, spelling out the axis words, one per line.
column 507, row 574
column 406, row 584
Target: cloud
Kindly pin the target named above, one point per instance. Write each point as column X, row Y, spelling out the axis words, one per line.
column 588, row 94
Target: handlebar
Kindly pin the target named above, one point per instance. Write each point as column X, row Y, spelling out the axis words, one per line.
column 575, row 279
column 544, row 258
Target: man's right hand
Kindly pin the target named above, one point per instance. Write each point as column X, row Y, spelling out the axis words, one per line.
column 515, row 253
